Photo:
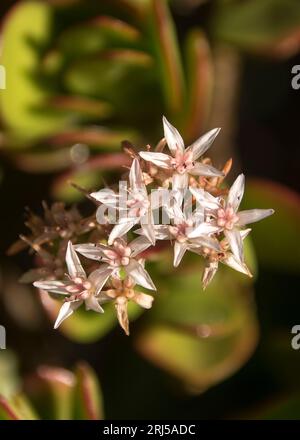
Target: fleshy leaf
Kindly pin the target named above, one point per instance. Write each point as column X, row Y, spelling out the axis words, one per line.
column 88, row 395
column 200, row 338
column 248, row 24
column 20, row 57
column 275, row 238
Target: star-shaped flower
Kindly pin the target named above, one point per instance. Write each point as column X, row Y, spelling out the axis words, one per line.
column 181, row 231
column 182, row 161
column 138, row 205
column 225, row 216
column 226, row 257
column 78, row 288
column 119, row 257
column 121, row 292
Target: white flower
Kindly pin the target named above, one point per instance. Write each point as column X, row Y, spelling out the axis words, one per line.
column 182, row 160
column 120, row 255
column 182, row 230
column 225, row 215
column 121, row 293
column 138, row 206
column 226, row 258
column 78, row 288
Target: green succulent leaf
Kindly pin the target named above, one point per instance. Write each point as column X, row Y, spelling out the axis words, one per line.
column 200, row 338
column 26, row 30
column 88, row 395
column 255, row 24
column 276, row 238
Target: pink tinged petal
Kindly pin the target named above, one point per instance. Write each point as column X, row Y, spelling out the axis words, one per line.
column 253, row 215
column 90, row 250
column 92, row 303
column 99, row 277
column 236, row 243
column 179, row 251
column 201, row 145
column 139, row 274
column 209, row 273
column 149, row 233
column 236, row 192
column 66, row 310
column 106, row 196
column 172, row 136
column 136, row 177
column 201, row 169
column 159, row 159
column 180, row 181
column 73, row 263
column 143, row 300
column 52, row 286
column 122, row 315
column 162, row 232
column 232, row 262
column 204, row 229
column 139, row 245
column 121, row 229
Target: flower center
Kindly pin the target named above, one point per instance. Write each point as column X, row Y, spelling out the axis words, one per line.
column 119, row 255
column 226, row 217
column 138, row 204
column 183, row 162
column 79, row 288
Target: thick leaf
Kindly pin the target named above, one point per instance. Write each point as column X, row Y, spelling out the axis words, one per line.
column 16, row 408
column 88, row 395
column 168, row 56
column 51, row 390
column 26, row 29
column 200, row 338
column 276, row 239
column 255, row 24
column 199, row 84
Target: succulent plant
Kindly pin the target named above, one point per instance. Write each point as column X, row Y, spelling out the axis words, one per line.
column 50, row 393
column 91, row 74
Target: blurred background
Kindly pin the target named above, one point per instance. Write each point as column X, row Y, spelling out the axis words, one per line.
column 80, row 78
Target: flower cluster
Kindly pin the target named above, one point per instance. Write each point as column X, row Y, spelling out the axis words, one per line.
column 200, row 216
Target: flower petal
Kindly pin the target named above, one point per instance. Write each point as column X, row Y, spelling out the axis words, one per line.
column 138, row 245
column 236, row 243
column 209, row 273
column 161, row 160
column 99, row 277
column 92, row 303
column 179, row 251
column 205, row 199
column 139, row 274
column 236, row 192
column 122, row 314
column 180, row 181
column 201, row 169
column 136, row 177
column 106, row 196
column 232, row 262
column 74, row 266
column 201, row 145
column 203, row 228
column 66, row 310
column 253, row 215
column 172, row 136
column 52, row 286
column 92, row 251
column 143, row 300
column 121, row 229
